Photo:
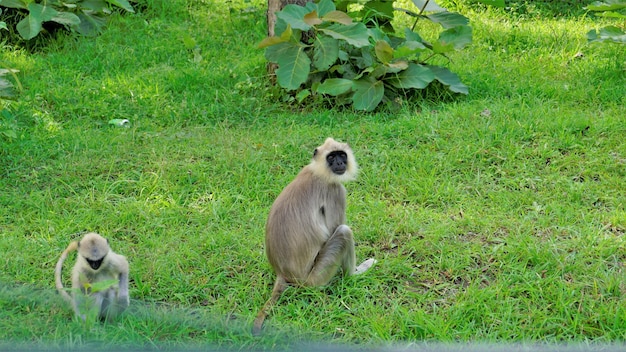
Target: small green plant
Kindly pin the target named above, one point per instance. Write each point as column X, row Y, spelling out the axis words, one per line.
column 364, row 62
column 7, row 89
column 8, row 125
column 613, row 9
column 83, row 16
column 86, row 301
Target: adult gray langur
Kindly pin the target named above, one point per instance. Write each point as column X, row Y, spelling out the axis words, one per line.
column 95, row 263
column 306, row 238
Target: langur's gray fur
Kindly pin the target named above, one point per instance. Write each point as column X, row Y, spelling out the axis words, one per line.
column 306, row 239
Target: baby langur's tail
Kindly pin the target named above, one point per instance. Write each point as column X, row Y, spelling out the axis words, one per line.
column 57, row 271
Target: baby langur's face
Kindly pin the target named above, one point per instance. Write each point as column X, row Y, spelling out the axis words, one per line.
column 94, row 249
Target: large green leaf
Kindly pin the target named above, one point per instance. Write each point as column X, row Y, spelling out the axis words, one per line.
column 312, row 19
column 609, row 33
column 442, row 47
column 384, row 51
column 123, row 4
column 94, row 5
column 449, row 78
column 363, row 58
column 448, row 19
column 66, row 18
column 338, row 16
column 16, row 4
column 416, row 76
column 275, row 52
column 43, row 12
column 30, row 26
column 377, row 34
column 325, row 6
column 269, row 41
column 90, row 24
column 368, row 93
column 355, row 34
column 397, row 66
column 335, row 86
column 325, row 52
column 377, row 71
column 293, row 64
column 607, row 5
column 409, row 35
column 292, row 73
column 611, row 14
column 408, row 48
column 459, row 36
column 294, row 15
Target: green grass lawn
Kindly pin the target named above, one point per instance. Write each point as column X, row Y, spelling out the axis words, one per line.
column 495, row 217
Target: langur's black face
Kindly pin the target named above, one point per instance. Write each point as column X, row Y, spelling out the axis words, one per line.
column 338, row 162
column 95, row 264
column 94, row 249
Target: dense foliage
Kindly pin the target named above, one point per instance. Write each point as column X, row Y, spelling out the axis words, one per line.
column 356, row 57
column 613, row 9
column 86, row 17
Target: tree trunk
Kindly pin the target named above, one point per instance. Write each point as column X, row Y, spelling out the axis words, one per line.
column 274, row 6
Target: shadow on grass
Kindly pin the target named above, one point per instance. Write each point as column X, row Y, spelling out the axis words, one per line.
column 144, row 325
column 163, row 326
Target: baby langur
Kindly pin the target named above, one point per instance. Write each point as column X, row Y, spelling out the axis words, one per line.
column 95, row 263
column 306, row 239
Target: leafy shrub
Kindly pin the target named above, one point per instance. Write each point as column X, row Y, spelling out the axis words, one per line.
column 83, row 16
column 613, row 9
column 364, row 62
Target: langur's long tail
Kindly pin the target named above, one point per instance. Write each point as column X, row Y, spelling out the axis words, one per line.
column 279, row 287
column 59, row 267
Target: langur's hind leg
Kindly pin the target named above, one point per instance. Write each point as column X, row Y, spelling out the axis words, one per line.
column 337, row 252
